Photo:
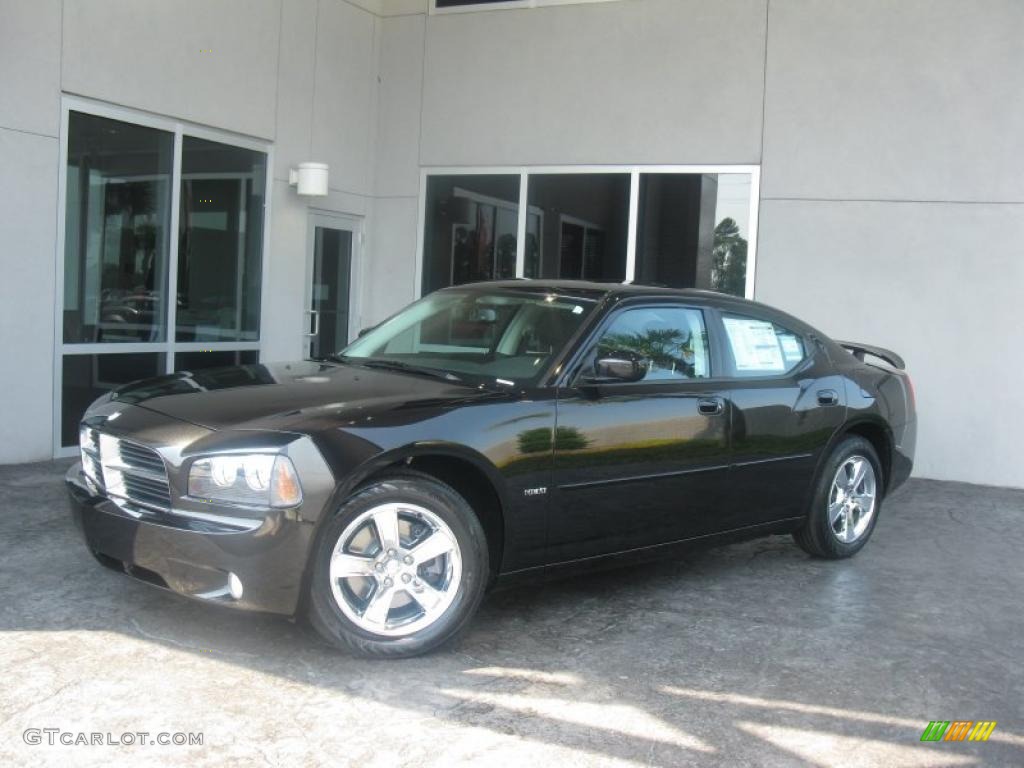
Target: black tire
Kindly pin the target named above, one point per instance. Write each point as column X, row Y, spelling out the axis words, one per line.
column 816, row 537
column 417, row 488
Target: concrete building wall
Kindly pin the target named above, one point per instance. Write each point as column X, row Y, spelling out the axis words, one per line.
column 893, row 204
column 29, row 154
column 654, row 81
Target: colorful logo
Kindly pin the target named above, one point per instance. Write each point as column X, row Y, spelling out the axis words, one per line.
column 958, row 730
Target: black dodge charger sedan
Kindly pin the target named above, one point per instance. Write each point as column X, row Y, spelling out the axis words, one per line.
column 486, row 433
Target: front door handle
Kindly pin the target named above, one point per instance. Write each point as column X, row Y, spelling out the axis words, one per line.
column 710, row 406
column 828, row 397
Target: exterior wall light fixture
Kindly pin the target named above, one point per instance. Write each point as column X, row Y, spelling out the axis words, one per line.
column 309, row 179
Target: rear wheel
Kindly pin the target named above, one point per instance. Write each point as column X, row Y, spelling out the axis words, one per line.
column 846, row 502
column 400, row 569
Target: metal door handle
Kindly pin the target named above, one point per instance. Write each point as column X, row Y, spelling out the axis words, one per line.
column 710, row 406
column 316, row 322
column 827, row 397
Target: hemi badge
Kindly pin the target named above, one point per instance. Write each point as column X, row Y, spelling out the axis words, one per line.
column 535, row 491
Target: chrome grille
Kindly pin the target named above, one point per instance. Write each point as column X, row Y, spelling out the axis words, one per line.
column 139, row 457
column 125, row 470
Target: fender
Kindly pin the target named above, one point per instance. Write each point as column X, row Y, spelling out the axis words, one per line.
column 380, row 461
column 838, row 435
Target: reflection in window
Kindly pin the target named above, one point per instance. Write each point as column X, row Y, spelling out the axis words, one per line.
column 197, row 361
column 692, row 230
column 220, row 241
column 582, row 226
column 471, row 229
column 117, row 230
column 672, row 341
column 86, row 377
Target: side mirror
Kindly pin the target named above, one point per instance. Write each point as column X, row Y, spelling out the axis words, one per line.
column 618, row 367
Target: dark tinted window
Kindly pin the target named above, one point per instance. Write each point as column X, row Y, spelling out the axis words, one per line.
column 197, row 361
column 581, row 223
column 220, row 244
column 117, row 230
column 692, row 230
column 470, row 229
column 672, row 340
column 86, row 377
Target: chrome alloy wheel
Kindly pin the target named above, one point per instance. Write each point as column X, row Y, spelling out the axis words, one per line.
column 852, row 500
column 395, row 569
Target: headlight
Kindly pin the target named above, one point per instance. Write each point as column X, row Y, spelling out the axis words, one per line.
column 258, row 479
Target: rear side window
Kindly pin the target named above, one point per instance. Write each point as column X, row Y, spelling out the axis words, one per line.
column 762, row 348
column 672, row 340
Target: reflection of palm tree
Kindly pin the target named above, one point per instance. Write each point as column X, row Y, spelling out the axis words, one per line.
column 538, row 440
column 666, row 348
column 729, row 259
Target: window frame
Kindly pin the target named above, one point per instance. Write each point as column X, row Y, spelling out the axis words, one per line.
column 572, row 369
column 169, row 345
column 506, row 5
column 635, row 171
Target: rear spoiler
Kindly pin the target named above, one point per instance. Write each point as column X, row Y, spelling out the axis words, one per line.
column 858, row 350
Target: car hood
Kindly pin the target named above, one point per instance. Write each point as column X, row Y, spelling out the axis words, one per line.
column 303, row 396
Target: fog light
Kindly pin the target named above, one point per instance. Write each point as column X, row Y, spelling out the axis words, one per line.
column 235, row 586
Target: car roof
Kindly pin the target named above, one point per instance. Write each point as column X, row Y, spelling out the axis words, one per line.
column 619, row 291
column 597, row 290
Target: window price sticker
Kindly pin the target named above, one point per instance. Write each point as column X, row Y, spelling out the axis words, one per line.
column 754, row 344
column 791, row 348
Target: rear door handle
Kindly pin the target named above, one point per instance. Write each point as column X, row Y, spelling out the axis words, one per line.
column 710, row 406
column 827, row 397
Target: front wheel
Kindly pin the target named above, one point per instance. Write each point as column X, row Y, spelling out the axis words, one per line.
column 846, row 502
column 399, row 570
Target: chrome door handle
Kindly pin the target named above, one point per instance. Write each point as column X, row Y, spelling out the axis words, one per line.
column 828, row 397
column 710, row 406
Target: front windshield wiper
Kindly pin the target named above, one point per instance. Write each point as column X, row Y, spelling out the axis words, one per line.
column 398, row 365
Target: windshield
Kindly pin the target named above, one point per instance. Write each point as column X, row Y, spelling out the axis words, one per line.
column 507, row 337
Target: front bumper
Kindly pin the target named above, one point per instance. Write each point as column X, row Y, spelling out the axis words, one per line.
column 197, row 558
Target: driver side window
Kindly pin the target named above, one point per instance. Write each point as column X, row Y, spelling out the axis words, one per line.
column 672, row 342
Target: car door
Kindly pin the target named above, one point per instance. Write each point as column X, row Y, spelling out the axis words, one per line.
column 785, row 404
column 642, row 463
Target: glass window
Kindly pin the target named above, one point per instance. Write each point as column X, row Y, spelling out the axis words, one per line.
column 117, row 229
column 118, row 286
column 692, row 230
column 761, row 348
column 582, row 225
column 86, row 377
column 488, row 335
column 672, row 340
column 471, row 225
column 197, row 361
column 220, row 241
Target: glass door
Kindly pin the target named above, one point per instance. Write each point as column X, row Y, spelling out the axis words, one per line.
column 331, row 285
